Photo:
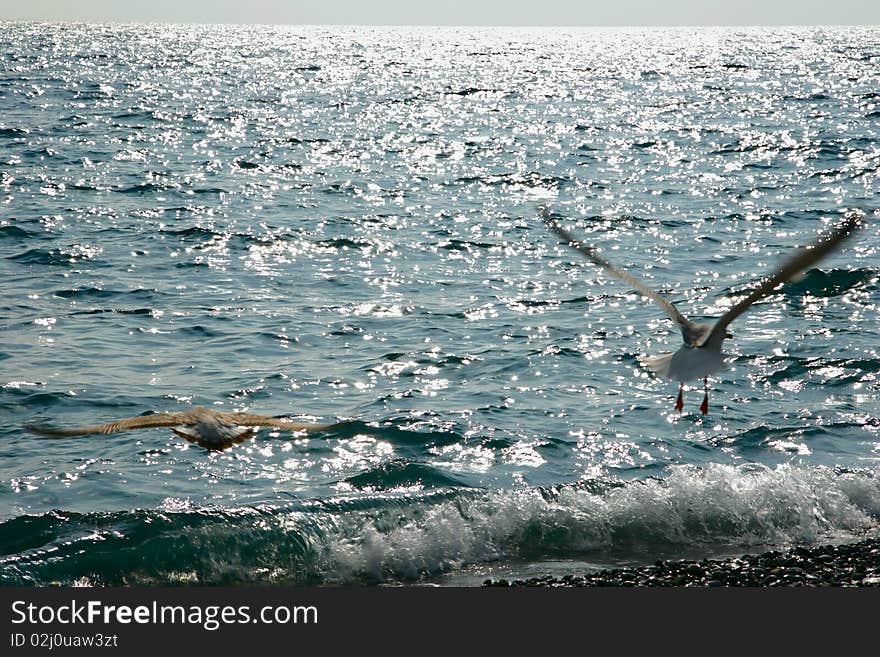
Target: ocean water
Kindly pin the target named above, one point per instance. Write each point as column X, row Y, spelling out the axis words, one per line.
column 339, row 224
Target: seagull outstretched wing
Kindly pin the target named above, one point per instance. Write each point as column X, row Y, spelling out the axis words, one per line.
column 137, row 422
column 804, row 258
column 688, row 328
column 251, row 420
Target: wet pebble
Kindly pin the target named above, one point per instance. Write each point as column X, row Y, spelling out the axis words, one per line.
column 856, row 564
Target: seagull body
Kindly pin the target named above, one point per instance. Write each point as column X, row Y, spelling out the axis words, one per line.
column 689, row 362
column 700, row 356
column 203, row 426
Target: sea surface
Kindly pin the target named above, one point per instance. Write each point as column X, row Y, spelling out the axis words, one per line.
column 340, row 225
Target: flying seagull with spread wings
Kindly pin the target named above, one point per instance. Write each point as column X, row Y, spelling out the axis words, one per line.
column 701, row 355
column 203, row 426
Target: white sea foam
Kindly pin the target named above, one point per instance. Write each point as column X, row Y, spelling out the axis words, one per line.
column 716, row 508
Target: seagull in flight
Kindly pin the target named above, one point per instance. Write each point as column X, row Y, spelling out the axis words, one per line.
column 700, row 355
column 205, row 427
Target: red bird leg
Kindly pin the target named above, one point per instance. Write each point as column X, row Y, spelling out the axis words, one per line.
column 679, row 403
column 704, row 407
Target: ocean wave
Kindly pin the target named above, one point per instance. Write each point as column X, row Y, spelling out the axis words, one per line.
column 193, row 231
column 55, row 257
column 143, row 188
column 400, row 474
column 392, row 432
column 760, row 436
column 14, row 133
column 819, row 283
column 407, row 537
column 100, row 293
column 714, row 507
column 119, row 311
column 14, row 232
column 470, row 91
column 827, row 372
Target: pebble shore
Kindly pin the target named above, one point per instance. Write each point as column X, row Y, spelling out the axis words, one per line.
column 854, row 564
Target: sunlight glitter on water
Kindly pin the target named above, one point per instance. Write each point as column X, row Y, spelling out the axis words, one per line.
column 340, row 224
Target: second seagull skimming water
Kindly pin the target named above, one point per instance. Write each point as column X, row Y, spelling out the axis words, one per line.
column 700, row 355
column 204, row 426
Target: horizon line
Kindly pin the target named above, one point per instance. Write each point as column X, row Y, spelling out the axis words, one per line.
column 86, row 21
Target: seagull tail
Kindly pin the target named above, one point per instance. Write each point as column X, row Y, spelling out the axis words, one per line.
column 227, row 436
column 659, row 364
column 188, row 433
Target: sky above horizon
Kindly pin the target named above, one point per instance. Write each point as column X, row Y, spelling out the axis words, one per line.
column 454, row 12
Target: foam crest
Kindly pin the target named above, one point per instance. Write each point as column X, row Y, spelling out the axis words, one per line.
column 715, row 508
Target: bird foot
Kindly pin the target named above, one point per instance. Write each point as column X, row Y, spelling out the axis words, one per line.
column 704, row 407
column 679, row 403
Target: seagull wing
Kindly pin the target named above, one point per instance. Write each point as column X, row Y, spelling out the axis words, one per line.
column 803, row 259
column 251, row 420
column 687, row 327
column 137, row 422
